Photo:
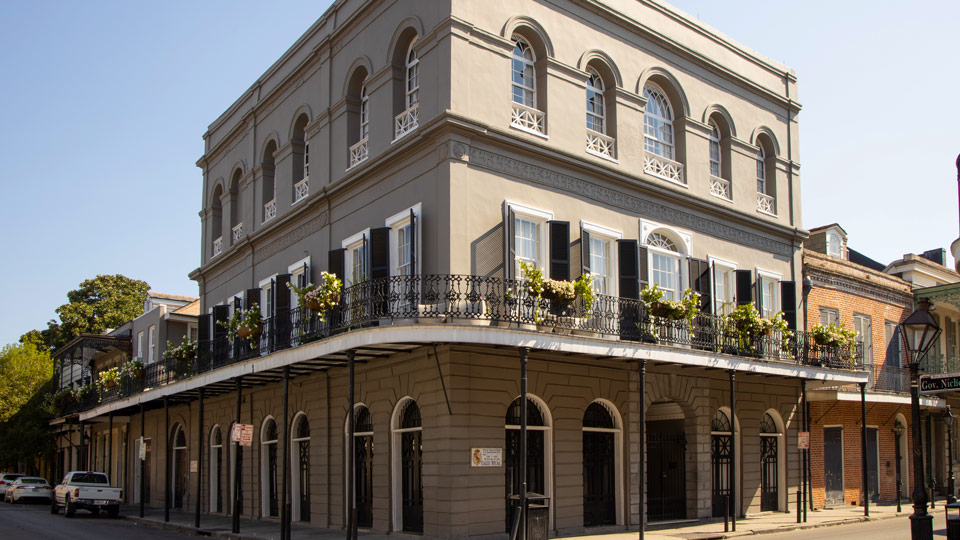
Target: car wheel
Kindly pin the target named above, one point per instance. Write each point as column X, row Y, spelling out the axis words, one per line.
column 54, row 509
column 113, row 511
column 69, row 508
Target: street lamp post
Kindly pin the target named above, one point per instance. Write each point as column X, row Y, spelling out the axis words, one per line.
column 948, row 419
column 899, row 430
column 920, row 331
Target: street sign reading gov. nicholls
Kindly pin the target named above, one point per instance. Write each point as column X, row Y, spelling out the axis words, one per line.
column 932, row 385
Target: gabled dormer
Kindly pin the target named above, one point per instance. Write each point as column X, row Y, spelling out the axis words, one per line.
column 831, row 240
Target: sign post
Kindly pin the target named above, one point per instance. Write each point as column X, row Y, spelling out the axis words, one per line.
column 803, row 440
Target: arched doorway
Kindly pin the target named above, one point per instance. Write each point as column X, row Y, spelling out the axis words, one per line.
column 363, row 465
column 770, row 481
column 666, row 462
column 538, row 453
column 300, row 450
column 900, row 433
column 721, row 459
column 179, row 463
column 601, row 465
column 270, row 504
column 408, row 466
column 216, row 469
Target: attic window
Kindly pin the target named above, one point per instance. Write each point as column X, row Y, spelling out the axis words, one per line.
column 833, row 244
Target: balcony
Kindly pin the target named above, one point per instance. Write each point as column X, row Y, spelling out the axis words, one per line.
column 495, row 303
column 662, row 167
column 218, row 246
column 600, row 144
column 891, row 379
column 528, row 119
column 766, row 204
column 358, row 152
column 270, row 210
column 939, row 364
column 301, row 189
column 237, row 233
column 720, row 187
column 406, row 121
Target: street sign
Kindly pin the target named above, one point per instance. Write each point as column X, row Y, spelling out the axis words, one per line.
column 803, row 440
column 243, row 434
column 486, row 457
column 143, row 450
column 932, row 385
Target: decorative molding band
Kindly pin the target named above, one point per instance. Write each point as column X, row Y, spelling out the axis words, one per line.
column 279, row 244
column 841, row 283
column 640, row 207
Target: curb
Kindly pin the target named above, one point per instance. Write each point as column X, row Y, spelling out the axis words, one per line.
column 187, row 529
column 808, row 526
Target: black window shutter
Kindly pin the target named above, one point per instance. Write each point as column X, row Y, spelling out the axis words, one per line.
column 559, row 250
column 220, row 314
column 280, row 333
column 509, row 245
column 788, row 303
column 584, row 252
column 744, row 287
column 203, row 336
column 237, row 303
column 413, row 243
column 335, row 262
column 253, row 297
column 642, row 265
column 367, row 267
column 700, row 282
column 629, row 266
column 380, row 252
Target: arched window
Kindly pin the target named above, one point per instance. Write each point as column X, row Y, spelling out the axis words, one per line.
column 268, row 469
column 300, row 450
column 596, row 113
column 761, row 171
column 408, row 119
column 666, row 271
column 269, row 191
column 301, row 157
column 538, row 453
column 524, row 74
column 601, row 466
column 413, row 76
column 769, row 464
column 721, row 446
column 363, row 465
column 766, row 180
column 364, row 113
column 658, row 123
column 216, row 222
column 715, row 150
column 834, row 244
column 407, row 467
column 178, row 460
column 216, row 469
column 358, row 118
column 236, row 209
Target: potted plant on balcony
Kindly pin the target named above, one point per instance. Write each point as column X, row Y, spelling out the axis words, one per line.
column 83, row 393
column 833, row 335
column 745, row 325
column 319, row 298
column 244, row 324
column 63, row 398
column 685, row 309
column 134, row 369
column 182, row 356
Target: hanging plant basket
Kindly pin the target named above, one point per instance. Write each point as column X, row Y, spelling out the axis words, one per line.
column 111, row 383
column 245, row 332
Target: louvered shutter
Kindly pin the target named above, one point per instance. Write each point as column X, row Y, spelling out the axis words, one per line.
column 584, row 252
column 509, row 244
column 744, row 286
column 253, row 297
column 220, row 345
column 628, row 269
column 335, row 259
column 788, row 303
column 203, row 338
column 700, row 282
column 642, row 267
column 559, row 250
column 280, row 332
column 413, row 243
column 380, row 253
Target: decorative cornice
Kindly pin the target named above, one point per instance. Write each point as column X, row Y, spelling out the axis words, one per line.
column 640, row 207
column 951, row 297
column 277, row 245
column 826, row 279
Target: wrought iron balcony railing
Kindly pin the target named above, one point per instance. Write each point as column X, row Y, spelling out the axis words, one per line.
column 483, row 301
column 891, row 379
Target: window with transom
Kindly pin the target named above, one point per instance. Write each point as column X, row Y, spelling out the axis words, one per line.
column 364, row 113
column 724, row 288
column 413, row 76
column 665, row 265
column 658, row 123
column 761, row 171
column 596, row 111
column 715, row 169
column 527, row 242
column 524, row 74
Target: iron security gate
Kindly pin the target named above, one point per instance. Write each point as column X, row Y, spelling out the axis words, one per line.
column 363, row 467
column 304, row 448
column 666, row 478
column 873, row 465
column 535, row 473
column 599, row 481
column 768, row 474
column 833, row 465
column 721, row 456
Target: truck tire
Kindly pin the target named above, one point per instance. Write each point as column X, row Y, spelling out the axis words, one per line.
column 69, row 509
column 54, row 509
column 113, row 511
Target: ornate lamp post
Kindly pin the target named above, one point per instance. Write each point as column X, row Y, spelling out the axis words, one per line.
column 898, row 431
column 920, row 331
column 948, row 419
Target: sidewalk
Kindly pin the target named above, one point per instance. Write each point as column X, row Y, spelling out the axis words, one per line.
column 255, row 529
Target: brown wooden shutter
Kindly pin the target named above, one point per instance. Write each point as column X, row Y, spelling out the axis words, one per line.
column 413, row 243
column 744, row 286
column 509, row 245
column 559, row 250
column 642, row 265
column 252, row 297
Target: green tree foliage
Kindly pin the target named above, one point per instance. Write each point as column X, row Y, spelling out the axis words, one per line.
column 26, row 438
column 99, row 304
column 24, row 369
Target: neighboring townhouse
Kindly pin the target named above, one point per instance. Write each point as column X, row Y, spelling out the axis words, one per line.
column 421, row 152
column 851, row 290
column 931, row 278
column 105, row 444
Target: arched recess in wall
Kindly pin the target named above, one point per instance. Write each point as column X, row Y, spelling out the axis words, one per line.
column 357, row 99
column 603, row 79
column 268, row 191
column 404, row 59
column 664, row 120
column 773, row 466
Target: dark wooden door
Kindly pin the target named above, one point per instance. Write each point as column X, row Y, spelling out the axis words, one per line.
column 363, row 457
column 666, row 474
column 769, row 477
column 873, row 465
column 412, row 502
column 599, row 479
column 833, row 465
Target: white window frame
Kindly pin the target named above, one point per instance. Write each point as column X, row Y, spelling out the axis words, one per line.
column 364, row 112
column 596, row 97
column 411, row 78
column 761, row 170
column 684, row 247
column 838, row 243
column 526, row 62
column 151, row 344
column 349, row 244
column 541, row 217
column 654, row 124
column 727, row 267
column 140, row 344
column 266, row 307
column 714, row 139
column 295, row 270
column 609, row 235
column 396, row 222
column 764, row 276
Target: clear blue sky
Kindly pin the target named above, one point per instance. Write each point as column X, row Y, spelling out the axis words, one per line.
column 105, row 104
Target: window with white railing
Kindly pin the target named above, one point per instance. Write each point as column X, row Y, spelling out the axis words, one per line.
column 658, row 137
column 409, row 119
column 598, row 142
column 237, row 233
column 766, row 202
column 301, row 189
column 218, row 246
column 359, row 152
column 270, row 210
column 524, row 114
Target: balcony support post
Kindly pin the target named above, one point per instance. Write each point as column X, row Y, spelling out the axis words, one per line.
column 735, row 495
column 351, row 429
column 642, row 446
column 109, row 470
column 237, row 469
column 166, row 459
column 196, row 514
column 284, row 511
column 143, row 418
column 804, row 485
column 524, row 353
column 865, row 494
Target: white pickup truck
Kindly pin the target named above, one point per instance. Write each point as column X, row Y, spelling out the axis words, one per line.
column 83, row 490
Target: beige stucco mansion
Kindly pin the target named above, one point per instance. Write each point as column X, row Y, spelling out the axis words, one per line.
column 423, row 150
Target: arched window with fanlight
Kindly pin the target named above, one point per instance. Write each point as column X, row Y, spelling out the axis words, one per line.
column 362, row 474
column 526, row 115
column 769, row 464
column 180, row 472
column 358, row 117
column 538, row 453
column 601, row 443
column 666, row 270
column 766, row 176
column 409, row 118
column 659, row 142
column 600, row 137
column 300, row 458
column 407, row 466
column 268, row 469
column 721, row 458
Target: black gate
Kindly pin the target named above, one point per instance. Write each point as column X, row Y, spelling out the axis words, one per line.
column 666, row 474
column 412, row 461
column 535, row 455
column 180, row 482
column 721, row 457
column 833, row 465
column 873, row 465
column 363, row 468
column 303, row 447
column 219, row 472
column 599, row 468
column 768, row 473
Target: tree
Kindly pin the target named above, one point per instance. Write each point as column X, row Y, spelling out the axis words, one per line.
column 99, row 304
column 24, row 369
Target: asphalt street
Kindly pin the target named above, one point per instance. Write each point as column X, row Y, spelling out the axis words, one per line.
column 34, row 521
